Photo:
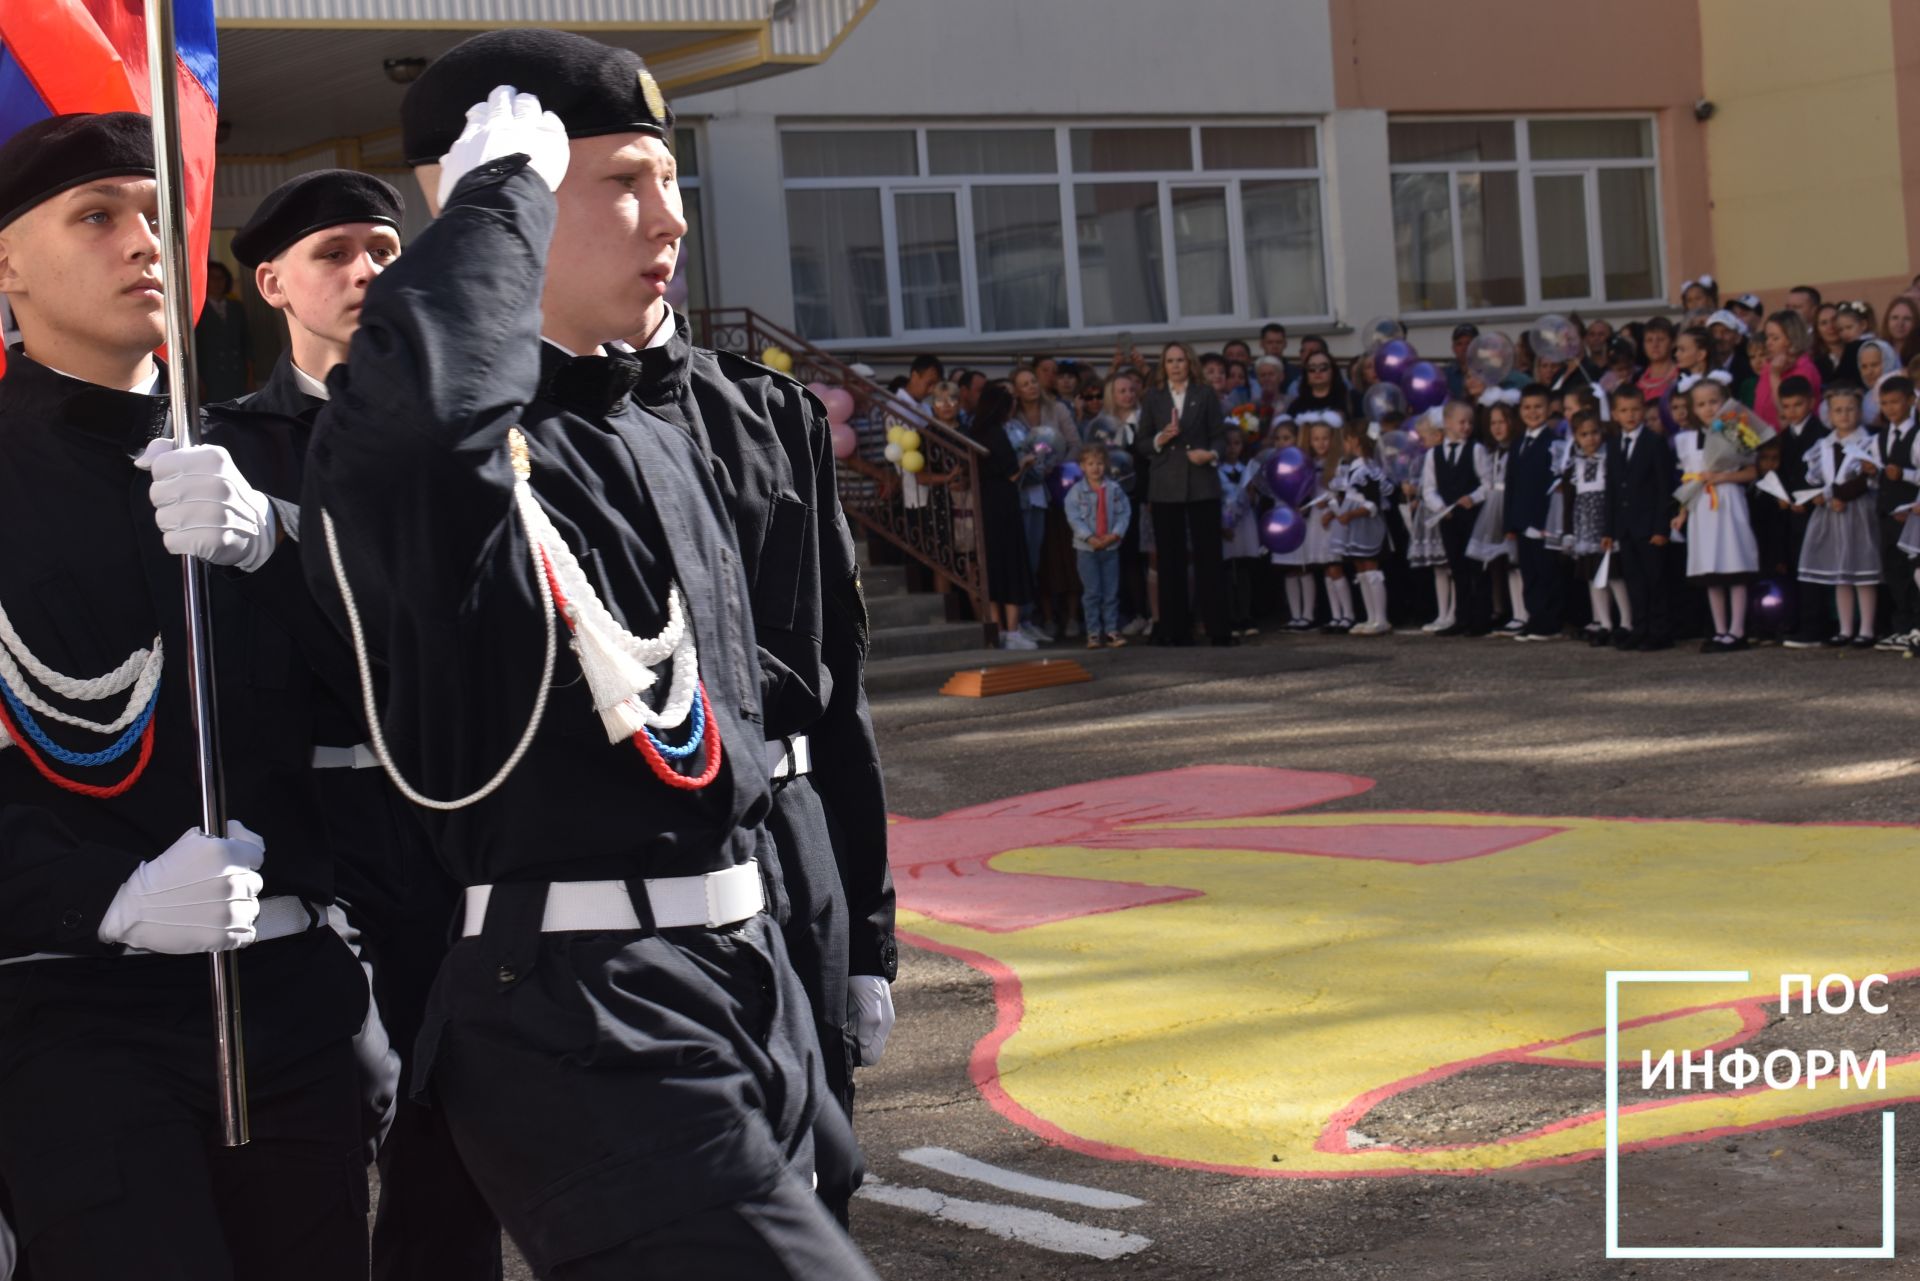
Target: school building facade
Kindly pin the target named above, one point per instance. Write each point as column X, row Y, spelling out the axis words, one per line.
column 1007, row 176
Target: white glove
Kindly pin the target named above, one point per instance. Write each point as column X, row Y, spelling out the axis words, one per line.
column 508, row 122
column 870, row 1010
column 202, row 895
column 205, row 508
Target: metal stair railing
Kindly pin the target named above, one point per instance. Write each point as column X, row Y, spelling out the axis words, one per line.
column 942, row 530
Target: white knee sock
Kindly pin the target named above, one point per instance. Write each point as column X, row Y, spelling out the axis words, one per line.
column 1737, row 610
column 1717, row 605
column 1602, row 612
column 1622, row 603
column 1443, row 595
column 1869, row 595
column 1296, row 597
column 1373, row 589
column 1843, row 606
column 1309, row 595
column 1340, row 598
column 1516, row 594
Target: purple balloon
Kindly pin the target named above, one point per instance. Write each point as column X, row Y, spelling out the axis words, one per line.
column 1289, row 478
column 1060, row 480
column 1425, row 386
column 1391, row 362
column 1283, row 530
column 1769, row 605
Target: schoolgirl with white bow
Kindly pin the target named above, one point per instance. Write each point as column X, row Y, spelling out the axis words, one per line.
column 1315, row 552
column 1842, row 546
column 1590, row 530
column 1716, row 464
column 1359, row 528
column 1491, row 544
column 1424, row 549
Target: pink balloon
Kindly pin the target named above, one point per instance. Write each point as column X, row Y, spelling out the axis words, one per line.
column 819, row 389
column 845, row 442
column 839, row 403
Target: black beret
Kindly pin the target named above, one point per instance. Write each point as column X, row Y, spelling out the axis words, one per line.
column 61, row 152
column 594, row 88
column 313, row 202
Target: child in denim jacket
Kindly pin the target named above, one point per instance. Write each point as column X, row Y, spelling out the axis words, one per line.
column 1098, row 511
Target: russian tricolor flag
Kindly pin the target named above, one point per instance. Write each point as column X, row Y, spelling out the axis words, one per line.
column 62, row 56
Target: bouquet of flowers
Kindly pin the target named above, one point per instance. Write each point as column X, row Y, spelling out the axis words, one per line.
column 1732, row 440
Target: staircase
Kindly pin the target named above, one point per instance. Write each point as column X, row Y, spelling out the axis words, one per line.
column 942, row 535
column 906, row 624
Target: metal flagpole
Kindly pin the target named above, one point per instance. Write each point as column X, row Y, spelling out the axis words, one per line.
column 230, row 1061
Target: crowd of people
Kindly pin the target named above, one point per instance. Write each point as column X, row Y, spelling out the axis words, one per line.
column 1733, row 475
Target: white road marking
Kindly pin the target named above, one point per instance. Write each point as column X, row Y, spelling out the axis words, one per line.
column 1011, row 1223
column 959, row 1166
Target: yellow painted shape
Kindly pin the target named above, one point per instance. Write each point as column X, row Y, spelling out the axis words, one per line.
column 1229, row 1029
column 1694, row 1031
column 1805, row 136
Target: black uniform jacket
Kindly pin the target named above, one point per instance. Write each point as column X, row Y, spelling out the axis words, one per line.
column 410, row 460
column 86, row 581
column 770, row 437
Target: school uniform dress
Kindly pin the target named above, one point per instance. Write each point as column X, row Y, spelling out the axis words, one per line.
column 1424, row 550
column 1641, row 462
column 109, row 1144
column 1842, row 549
column 1317, row 547
column 1589, row 515
column 618, row 1038
column 1359, row 486
column 1489, row 540
column 1720, row 542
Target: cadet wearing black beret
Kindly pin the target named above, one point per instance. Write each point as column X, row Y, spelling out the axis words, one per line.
column 313, row 202
column 594, row 88
column 62, row 152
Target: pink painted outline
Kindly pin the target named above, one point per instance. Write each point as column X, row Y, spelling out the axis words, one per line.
column 983, row 1064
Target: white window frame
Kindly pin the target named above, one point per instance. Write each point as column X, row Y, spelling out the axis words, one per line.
column 1526, row 169
column 694, row 182
column 1064, row 180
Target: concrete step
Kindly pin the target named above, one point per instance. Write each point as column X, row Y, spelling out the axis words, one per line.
column 908, row 609
column 883, row 580
column 924, row 638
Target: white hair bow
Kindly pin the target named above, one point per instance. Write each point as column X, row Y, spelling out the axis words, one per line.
column 1705, row 282
column 1689, row 381
column 1500, row 396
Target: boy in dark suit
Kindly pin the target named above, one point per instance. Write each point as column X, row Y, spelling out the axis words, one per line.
column 1529, row 479
column 1800, row 431
column 1641, row 492
column 1900, row 447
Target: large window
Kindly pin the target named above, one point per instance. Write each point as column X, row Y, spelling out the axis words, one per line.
column 693, row 259
column 1494, row 214
column 902, row 234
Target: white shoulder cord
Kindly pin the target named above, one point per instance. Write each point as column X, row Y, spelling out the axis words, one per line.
column 141, row 671
column 523, row 496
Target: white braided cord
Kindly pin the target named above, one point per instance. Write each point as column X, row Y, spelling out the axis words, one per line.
column 522, row 497
column 141, row 670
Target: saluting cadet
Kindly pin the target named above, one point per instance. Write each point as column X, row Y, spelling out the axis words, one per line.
column 829, row 816
column 314, row 246
column 108, row 891
column 618, row 1039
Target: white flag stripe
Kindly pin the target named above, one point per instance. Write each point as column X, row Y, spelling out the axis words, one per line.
column 1011, row 1223
column 947, row 1161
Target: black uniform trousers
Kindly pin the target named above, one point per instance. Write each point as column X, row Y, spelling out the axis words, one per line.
column 1472, row 587
column 108, row 1139
column 816, row 938
column 1183, row 534
column 632, row 1102
column 1542, row 580
column 1644, row 568
column 1899, row 592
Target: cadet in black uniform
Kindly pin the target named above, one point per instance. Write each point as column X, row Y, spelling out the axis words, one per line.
column 829, row 816
column 108, row 892
column 619, row 1041
column 314, row 245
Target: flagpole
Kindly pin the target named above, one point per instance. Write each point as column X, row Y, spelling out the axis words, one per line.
column 230, row 1059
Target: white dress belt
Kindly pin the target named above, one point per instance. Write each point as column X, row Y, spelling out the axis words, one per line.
column 796, row 757
column 280, row 916
column 711, row 901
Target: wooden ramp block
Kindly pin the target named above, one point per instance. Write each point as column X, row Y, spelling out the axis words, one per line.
column 1015, row 678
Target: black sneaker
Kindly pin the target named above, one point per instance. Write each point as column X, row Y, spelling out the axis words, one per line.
column 1837, row 642
column 1799, row 642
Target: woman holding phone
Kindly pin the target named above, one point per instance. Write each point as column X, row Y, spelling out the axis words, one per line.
column 1181, row 437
